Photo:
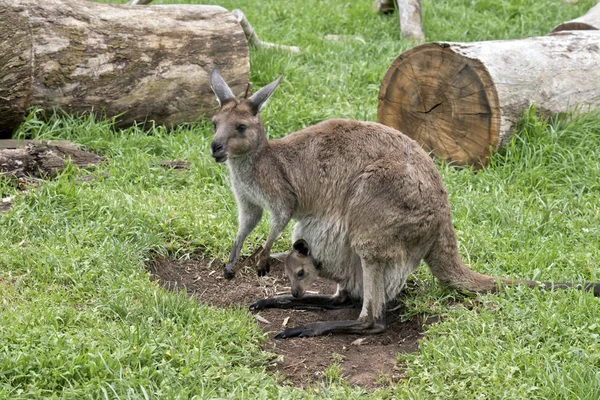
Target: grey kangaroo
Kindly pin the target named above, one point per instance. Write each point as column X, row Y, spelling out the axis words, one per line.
column 369, row 200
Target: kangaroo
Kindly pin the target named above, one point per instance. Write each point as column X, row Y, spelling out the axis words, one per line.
column 374, row 187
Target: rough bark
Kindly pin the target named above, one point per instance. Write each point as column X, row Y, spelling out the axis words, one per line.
column 150, row 63
column 461, row 99
column 589, row 21
column 42, row 159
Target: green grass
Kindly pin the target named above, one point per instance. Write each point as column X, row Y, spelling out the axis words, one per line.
column 80, row 319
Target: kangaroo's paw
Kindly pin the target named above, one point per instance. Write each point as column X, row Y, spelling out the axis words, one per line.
column 229, row 271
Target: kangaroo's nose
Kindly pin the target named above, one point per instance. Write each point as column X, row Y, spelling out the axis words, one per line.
column 216, row 148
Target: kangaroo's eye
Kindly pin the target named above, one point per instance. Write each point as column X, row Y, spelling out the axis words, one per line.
column 241, row 128
column 300, row 273
column 214, row 125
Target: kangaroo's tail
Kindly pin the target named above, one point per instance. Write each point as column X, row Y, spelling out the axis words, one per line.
column 445, row 264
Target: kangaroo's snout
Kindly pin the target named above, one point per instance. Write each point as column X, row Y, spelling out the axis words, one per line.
column 217, row 150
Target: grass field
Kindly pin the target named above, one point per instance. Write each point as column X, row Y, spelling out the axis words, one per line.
column 79, row 317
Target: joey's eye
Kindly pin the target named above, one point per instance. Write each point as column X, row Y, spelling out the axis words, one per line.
column 300, row 273
column 214, row 124
column 241, row 128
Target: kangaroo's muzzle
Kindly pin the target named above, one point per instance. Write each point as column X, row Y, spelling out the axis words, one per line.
column 217, row 151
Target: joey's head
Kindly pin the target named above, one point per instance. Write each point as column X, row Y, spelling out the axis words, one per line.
column 238, row 128
column 301, row 268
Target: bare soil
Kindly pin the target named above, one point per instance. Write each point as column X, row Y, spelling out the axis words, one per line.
column 369, row 364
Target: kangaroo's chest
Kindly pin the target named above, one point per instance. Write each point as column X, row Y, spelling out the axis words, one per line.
column 250, row 192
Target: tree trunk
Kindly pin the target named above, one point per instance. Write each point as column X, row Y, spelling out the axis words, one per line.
column 589, row 21
column 150, row 63
column 461, row 99
column 411, row 25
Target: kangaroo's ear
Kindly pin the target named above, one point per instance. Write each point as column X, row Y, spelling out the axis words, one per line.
column 258, row 99
column 301, row 247
column 220, row 88
column 280, row 256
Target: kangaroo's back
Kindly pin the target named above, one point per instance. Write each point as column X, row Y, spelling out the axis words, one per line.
column 328, row 163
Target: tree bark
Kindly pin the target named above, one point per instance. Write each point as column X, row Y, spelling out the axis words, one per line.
column 461, row 99
column 589, row 21
column 411, row 24
column 150, row 63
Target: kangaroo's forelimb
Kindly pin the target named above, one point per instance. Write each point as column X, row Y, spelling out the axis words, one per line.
column 278, row 223
column 249, row 216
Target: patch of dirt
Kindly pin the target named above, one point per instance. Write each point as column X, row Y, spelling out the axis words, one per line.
column 368, row 364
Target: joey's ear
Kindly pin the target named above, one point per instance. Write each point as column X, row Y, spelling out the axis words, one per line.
column 301, row 247
column 220, row 88
column 258, row 99
column 280, row 256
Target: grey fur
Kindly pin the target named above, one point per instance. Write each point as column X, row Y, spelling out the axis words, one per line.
column 259, row 99
column 368, row 200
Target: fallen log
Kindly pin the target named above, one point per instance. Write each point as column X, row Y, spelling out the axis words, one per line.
column 461, row 99
column 41, row 159
column 589, row 21
column 150, row 63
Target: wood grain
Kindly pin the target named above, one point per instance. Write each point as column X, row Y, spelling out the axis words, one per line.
column 459, row 100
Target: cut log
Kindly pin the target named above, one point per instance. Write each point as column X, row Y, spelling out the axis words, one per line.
column 589, row 21
column 43, row 159
column 461, row 99
column 150, row 63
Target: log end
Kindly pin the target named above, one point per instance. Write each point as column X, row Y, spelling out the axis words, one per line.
column 446, row 102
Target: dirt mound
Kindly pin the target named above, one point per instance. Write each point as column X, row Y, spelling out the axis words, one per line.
column 366, row 364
